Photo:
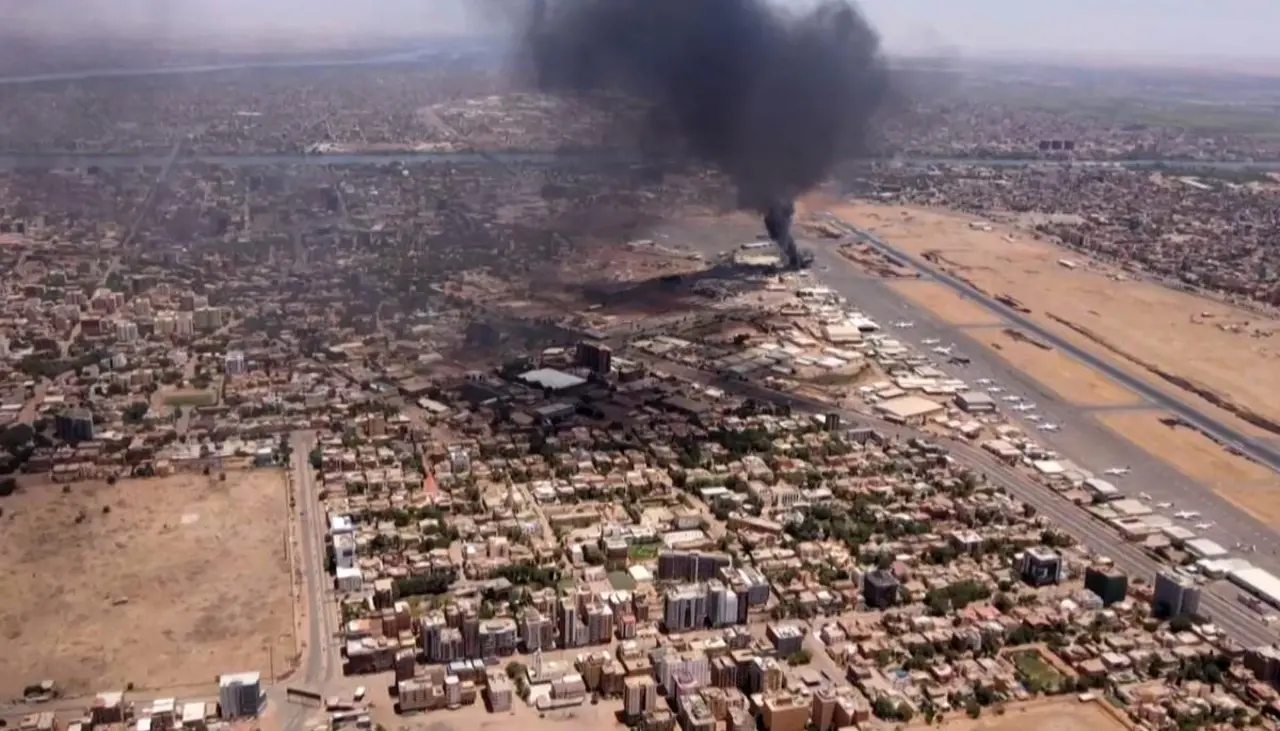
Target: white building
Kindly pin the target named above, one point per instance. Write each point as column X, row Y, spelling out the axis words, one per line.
column 344, row 551
column 239, row 695
column 350, row 579
column 126, row 331
column 234, row 363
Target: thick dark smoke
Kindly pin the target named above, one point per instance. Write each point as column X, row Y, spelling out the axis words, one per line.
column 772, row 99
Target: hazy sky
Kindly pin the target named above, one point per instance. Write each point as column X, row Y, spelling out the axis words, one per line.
column 1165, row 28
column 1228, row 28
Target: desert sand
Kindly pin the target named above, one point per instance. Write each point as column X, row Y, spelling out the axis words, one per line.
column 1071, row 380
column 161, row 582
column 1141, row 326
column 1251, row 487
column 943, row 302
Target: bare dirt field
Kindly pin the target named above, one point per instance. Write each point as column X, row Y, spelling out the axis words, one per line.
column 1059, row 714
column 1071, row 380
column 1224, row 351
column 1251, row 487
column 945, row 303
column 159, row 582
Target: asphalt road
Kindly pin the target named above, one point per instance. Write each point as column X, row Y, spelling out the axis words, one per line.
column 316, row 665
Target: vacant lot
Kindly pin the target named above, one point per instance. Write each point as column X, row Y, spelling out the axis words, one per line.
column 944, row 303
column 1250, row 486
column 1058, row 714
column 1215, row 347
column 156, row 582
column 1071, row 380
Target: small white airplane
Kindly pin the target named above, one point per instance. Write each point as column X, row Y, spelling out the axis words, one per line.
column 1118, row 471
column 1164, row 505
column 994, row 389
column 944, row 351
column 1049, row 427
column 1011, row 399
column 1032, row 417
column 1186, row 515
column 931, row 341
column 904, row 324
column 1205, row 526
column 984, row 381
column 1145, row 496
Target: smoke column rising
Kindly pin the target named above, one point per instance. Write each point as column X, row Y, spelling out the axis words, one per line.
column 773, row 99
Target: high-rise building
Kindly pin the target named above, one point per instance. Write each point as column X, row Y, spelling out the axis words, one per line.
column 1109, row 583
column 239, row 695
column 787, row 639
column 599, row 624
column 639, row 695
column 1040, row 566
column 74, row 425
column 595, row 356
column 691, row 565
column 572, row 631
column 880, row 589
column 1175, row 596
column 126, row 331
column 234, row 363
column 496, row 637
column 685, row 608
column 722, row 604
column 1264, row 663
column 536, row 631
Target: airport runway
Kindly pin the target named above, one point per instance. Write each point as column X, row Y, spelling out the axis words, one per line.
column 1082, row 440
column 1260, row 450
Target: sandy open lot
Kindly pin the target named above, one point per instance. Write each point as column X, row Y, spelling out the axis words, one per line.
column 157, row 582
column 1071, row 380
column 946, row 304
column 1248, row 485
column 1145, row 322
column 1058, row 714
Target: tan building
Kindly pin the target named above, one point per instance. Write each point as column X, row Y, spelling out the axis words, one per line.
column 785, row 712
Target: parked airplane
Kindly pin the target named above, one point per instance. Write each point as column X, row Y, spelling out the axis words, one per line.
column 983, row 381
column 1025, row 407
column 1116, row 471
column 931, row 341
column 994, row 389
column 1144, row 495
column 1011, row 398
column 1032, row 417
column 944, row 351
column 1164, row 505
column 1186, row 515
column 1205, row 526
column 904, row 324
column 1050, row 427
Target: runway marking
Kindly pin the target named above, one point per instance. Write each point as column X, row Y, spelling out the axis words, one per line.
column 1115, row 408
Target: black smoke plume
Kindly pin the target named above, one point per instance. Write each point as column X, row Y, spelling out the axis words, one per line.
column 775, row 100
